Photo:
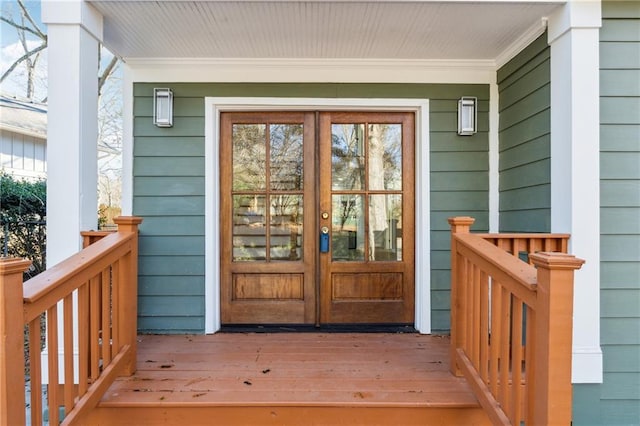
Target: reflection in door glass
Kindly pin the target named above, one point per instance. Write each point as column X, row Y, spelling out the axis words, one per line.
column 385, row 227
column 347, row 235
column 347, row 156
column 385, row 156
column 249, row 228
column 286, row 156
column 249, row 155
column 286, row 227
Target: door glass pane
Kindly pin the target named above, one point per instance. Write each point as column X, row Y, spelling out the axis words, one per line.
column 249, row 155
column 347, row 156
column 286, row 227
column 286, row 156
column 385, row 156
column 249, row 228
column 385, row 225
column 347, row 234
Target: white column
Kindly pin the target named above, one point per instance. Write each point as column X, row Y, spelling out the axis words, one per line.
column 575, row 143
column 74, row 29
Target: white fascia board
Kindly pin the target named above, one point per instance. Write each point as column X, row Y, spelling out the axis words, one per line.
column 75, row 12
column 310, row 70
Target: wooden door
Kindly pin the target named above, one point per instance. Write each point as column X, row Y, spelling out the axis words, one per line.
column 268, row 216
column 287, row 179
column 367, row 209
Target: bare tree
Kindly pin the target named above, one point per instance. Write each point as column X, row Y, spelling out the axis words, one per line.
column 24, row 70
column 26, row 25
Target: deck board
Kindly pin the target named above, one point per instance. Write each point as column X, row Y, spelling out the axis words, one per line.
column 285, row 368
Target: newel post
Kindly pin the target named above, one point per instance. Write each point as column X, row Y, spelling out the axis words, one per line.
column 11, row 341
column 128, row 291
column 552, row 391
column 459, row 225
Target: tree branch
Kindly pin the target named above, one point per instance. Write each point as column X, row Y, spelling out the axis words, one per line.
column 27, row 15
column 22, row 59
column 23, row 28
column 107, row 72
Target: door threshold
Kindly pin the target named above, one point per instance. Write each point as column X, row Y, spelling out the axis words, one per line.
column 327, row 328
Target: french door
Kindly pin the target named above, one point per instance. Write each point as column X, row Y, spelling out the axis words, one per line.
column 317, row 218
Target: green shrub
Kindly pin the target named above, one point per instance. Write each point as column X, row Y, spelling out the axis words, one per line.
column 23, row 211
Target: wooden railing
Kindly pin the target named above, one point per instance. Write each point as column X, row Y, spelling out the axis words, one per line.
column 89, row 303
column 511, row 323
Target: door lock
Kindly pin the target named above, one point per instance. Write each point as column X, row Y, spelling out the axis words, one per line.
column 324, row 239
column 325, row 215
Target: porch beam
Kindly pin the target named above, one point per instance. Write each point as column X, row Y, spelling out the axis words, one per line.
column 74, row 33
column 575, row 202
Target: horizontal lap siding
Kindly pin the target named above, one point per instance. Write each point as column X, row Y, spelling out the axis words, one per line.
column 524, row 134
column 169, row 188
column 617, row 400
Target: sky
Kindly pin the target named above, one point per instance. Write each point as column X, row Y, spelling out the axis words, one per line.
column 11, row 49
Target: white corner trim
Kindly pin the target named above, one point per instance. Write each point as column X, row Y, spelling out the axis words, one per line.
column 213, row 108
column 521, row 43
column 494, row 159
column 127, row 143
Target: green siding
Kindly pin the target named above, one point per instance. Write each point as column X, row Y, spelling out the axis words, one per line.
column 617, row 400
column 524, row 140
column 169, row 188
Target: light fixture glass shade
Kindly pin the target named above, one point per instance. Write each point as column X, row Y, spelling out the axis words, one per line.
column 163, row 107
column 467, row 116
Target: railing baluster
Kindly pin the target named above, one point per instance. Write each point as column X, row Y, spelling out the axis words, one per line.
column 475, row 322
column 115, row 306
column 504, row 349
column 106, row 316
column 83, row 339
column 516, row 360
column 484, row 326
column 35, row 371
column 69, row 383
column 94, row 327
column 52, row 345
column 530, row 365
column 496, row 334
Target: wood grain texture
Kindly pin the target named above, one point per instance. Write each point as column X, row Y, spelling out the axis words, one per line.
column 266, row 378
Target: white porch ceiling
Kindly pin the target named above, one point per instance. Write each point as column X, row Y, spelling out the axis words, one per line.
column 403, row 30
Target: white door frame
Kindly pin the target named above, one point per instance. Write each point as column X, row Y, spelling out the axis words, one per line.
column 213, row 108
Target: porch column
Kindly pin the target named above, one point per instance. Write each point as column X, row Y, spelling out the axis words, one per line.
column 575, row 158
column 74, row 30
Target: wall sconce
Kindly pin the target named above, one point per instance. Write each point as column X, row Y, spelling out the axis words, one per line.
column 162, row 107
column 467, row 116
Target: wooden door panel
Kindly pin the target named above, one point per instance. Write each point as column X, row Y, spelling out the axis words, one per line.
column 268, row 205
column 268, row 287
column 367, row 191
column 363, row 286
column 357, row 170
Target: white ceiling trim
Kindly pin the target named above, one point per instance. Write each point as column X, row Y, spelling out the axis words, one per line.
column 305, row 70
column 523, row 41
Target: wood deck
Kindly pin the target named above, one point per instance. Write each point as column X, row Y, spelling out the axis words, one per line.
column 291, row 378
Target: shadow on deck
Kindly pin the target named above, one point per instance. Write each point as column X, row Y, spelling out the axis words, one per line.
column 291, row 378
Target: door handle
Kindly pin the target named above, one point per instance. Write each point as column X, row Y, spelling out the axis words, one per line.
column 324, row 239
